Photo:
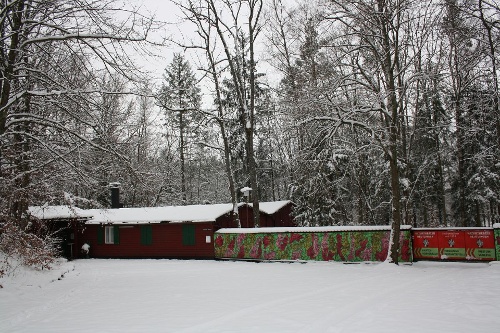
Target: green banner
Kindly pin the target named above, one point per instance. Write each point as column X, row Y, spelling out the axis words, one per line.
column 453, row 252
column 484, row 253
column 428, row 252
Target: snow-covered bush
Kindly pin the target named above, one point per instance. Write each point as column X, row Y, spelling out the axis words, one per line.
column 37, row 250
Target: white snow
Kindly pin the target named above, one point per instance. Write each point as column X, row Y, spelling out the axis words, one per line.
column 170, row 214
column 272, row 207
column 58, row 212
column 245, row 189
column 309, row 229
column 224, row 296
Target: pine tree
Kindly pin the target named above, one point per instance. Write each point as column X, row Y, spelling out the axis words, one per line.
column 180, row 97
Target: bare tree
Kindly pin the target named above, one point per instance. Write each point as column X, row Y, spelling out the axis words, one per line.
column 232, row 28
column 53, row 55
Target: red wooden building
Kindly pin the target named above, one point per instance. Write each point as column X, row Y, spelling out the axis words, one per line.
column 272, row 214
column 155, row 232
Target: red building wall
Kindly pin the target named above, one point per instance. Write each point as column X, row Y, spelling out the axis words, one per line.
column 167, row 242
column 245, row 213
column 281, row 218
column 225, row 221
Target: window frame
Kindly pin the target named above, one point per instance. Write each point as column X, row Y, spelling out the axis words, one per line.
column 109, row 235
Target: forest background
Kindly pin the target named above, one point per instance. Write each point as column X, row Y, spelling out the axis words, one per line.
column 361, row 112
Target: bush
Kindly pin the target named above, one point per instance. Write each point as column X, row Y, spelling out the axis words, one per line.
column 34, row 250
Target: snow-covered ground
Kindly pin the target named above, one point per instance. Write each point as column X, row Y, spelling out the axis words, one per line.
column 209, row 296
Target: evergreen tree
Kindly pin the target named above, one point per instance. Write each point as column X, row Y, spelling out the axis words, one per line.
column 180, row 97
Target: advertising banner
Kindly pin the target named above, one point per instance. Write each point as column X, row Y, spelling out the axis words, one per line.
column 425, row 244
column 480, row 245
column 454, row 244
column 451, row 244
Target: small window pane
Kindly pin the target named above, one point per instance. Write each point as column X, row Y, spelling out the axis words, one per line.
column 109, row 235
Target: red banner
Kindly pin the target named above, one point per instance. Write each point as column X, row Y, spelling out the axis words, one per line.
column 454, row 244
column 451, row 244
column 425, row 244
column 480, row 245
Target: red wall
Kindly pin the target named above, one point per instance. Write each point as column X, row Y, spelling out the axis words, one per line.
column 225, row 221
column 167, row 242
column 281, row 218
column 245, row 214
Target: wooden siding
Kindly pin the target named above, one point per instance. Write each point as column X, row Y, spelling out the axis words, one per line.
column 246, row 216
column 224, row 221
column 281, row 218
column 167, row 242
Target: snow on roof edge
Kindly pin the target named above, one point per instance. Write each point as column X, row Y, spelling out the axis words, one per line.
column 307, row 229
column 271, row 207
column 166, row 214
column 58, row 212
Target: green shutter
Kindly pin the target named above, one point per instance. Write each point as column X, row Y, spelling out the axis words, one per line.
column 146, row 235
column 150, row 234
column 116, row 232
column 143, row 235
column 188, row 234
column 100, row 234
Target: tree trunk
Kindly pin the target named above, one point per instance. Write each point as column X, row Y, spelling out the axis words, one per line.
column 225, row 140
column 8, row 73
column 183, row 160
column 250, row 125
column 392, row 108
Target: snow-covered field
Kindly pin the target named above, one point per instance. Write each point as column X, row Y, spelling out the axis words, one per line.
column 225, row 296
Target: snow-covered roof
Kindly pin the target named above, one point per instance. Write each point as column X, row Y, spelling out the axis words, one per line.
column 170, row 214
column 58, row 212
column 308, row 229
column 272, row 206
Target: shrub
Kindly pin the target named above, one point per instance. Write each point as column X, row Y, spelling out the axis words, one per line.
column 37, row 250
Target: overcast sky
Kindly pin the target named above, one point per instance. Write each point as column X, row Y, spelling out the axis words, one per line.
column 176, row 28
column 165, row 11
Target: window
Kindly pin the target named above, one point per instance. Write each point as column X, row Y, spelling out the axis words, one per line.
column 146, row 235
column 109, row 235
column 188, row 234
